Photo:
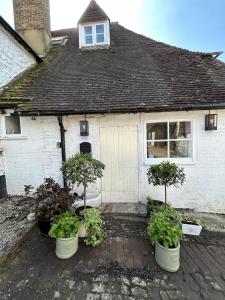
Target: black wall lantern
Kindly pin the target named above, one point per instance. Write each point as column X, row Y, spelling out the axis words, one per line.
column 84, row 128
column 211, row 121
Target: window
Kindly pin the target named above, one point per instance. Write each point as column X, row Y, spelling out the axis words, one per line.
column 100, row 35
column 88, row 35
column 12, row 125
column 94, row 34
column 169, row 140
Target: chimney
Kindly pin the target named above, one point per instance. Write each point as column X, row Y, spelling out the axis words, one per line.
column 32, row 23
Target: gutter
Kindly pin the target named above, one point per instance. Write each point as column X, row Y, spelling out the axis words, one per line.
column 63, row 144
column 127, row 110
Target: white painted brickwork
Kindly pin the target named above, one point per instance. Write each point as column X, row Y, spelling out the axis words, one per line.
column 13, row 58
column 29, row 160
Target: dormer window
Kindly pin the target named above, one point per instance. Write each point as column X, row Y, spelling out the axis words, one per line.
column 94, row 27
column 94, row 34
column 88, row 35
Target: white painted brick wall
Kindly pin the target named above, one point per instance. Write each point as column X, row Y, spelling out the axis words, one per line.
column 29, row 160
column 14, row 59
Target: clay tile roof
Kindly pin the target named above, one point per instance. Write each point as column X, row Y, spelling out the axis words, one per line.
column 93, row 13
column 135, row 74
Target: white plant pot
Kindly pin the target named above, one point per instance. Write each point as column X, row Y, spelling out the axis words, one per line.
column 191, row 229
column 167, row 259
column 82, row 231
column 66, row 247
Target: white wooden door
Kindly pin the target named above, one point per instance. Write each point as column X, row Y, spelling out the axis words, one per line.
column 119, row 153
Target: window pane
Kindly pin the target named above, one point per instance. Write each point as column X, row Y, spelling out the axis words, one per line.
column 88, row 29
column 179, row 130
column 181, row 149
column 99, row 28
column 100, row 38
column 12, row 125
column 88, row 39
column 156, row 149
column 156, row 131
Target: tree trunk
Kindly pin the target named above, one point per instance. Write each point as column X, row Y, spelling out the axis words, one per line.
column 165, row 196
column 85, row 187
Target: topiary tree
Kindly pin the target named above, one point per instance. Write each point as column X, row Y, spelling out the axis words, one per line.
column 166, row 174
column 82, row 169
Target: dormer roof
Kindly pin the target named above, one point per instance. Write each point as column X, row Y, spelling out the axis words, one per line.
column 93, row 13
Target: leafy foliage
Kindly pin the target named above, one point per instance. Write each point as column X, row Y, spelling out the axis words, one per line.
column 65, row 226
column 190, row 219
column 93, row 223
column 83, row 169
column 153, row 205
column 167, row 174
column 51, row 199
column 164, row 227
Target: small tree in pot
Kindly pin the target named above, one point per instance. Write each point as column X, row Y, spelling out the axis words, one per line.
column 165, row 174
column 82, row 169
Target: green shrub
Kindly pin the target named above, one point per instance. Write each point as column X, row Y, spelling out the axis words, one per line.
column 93, row 223
column 82, row 169
column 65, row 226
column 165, row 174
column 164, row 228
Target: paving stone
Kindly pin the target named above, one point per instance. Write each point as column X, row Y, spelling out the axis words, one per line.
column 139, row 282
column 106, row 296
column 216, row 286
column 117, row 297
column 98, row 288
column 125, row 280
column 102, row 278
column 137, row 291
column 124, row 289
column 91, row 296
column 175, row 295
column 164, row 295
column 57, row 294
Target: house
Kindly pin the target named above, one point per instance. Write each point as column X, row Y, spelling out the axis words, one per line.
column 16, row 56
column 130, row 101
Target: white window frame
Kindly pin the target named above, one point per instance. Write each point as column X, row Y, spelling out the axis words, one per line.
column 82, row 40
column 94, row 34
column 3, row 134
column 178, row 160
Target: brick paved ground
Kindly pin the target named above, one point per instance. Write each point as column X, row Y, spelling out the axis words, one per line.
column 123, row 267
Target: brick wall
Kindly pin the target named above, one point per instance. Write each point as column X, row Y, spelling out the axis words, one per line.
column 31, row 14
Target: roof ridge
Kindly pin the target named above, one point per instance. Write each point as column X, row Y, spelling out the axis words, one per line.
column 94, row 11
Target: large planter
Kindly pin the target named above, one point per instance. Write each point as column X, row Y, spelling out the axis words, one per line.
column 167, row 259
column 44, row 226
column 66, row 247
column 191, row 229
column 82, row 231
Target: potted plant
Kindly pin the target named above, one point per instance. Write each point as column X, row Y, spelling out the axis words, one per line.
column 92, row 227
column 164, row 232
column 51, row 201
column 153, row 205
column 165, row 174
column 191, row 225
column 82, row 169
column 65, row 230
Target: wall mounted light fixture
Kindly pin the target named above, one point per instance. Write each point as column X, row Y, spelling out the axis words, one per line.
column 211, row 121
column 84, row 128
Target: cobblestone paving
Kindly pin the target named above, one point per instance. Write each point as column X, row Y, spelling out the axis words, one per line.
column 122, row 268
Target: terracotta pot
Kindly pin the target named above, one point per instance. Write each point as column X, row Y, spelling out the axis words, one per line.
column 167, row 258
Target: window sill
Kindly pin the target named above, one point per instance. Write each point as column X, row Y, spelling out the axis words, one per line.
column 14, row 137
column 176, row 161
